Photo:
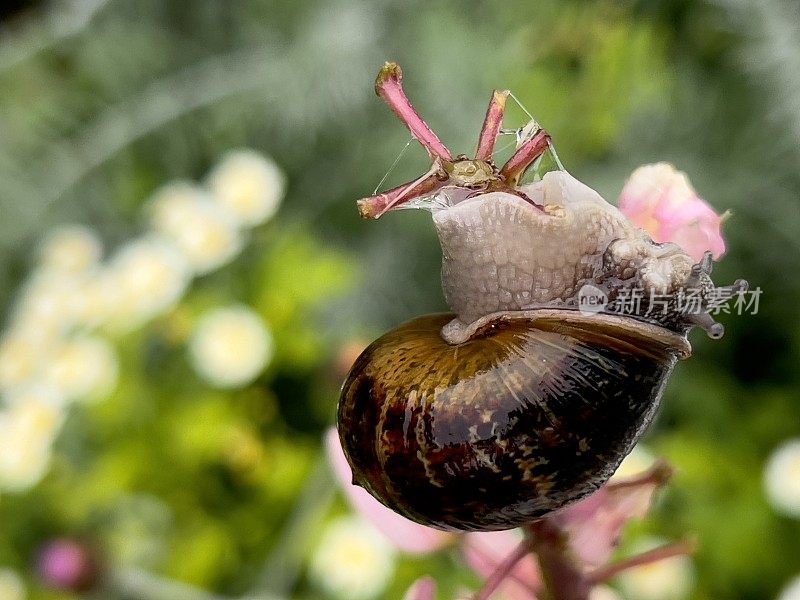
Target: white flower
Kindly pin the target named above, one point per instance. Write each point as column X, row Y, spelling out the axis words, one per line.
column 27, row 429
column 230, row 346
column 22, row 354
column 791, row 591
column 637, row 462
column 147, row 277
column 353, row 561
column 45, row 401
column 248, row 185
column 98, row 298
column 70, row 249
column 47, row 304
column 83, row 368
column 204, row 232
column 11, row 586
column 668, row 579
column 782, row 478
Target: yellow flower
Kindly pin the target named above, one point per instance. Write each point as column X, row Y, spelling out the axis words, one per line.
column 249, row 185
column 230, row 346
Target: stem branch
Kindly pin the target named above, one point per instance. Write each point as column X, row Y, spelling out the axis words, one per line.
column 374, row 207
column 607, row 572
column 561, row 573
column 503, row 570
column 389, row 86
column 523, row 158
column 491, row 125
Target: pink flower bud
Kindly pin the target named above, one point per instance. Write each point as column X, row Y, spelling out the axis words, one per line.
column 66, row 564
column 659, row 199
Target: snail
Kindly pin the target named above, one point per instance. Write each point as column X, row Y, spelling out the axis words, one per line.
column 529, row 395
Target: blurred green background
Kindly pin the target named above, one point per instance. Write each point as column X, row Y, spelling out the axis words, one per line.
column 223, row 488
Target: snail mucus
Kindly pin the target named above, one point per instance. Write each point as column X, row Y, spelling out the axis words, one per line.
column 520, row 401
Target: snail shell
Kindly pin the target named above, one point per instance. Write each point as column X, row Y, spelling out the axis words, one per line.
column 529, row 414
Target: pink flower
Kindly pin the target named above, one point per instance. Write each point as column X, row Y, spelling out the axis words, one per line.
column 594, row 526
column 423, row 588
column 404, row 534
column 66, row 564
column 659, row 199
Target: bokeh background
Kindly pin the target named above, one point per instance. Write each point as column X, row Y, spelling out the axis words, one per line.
column 177, row 186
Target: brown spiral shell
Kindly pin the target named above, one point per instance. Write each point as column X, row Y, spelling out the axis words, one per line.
column 528, row 415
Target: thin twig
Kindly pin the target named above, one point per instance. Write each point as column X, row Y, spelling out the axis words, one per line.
column 491, row 125
column 525, row 155
column 389, row 86
column 607, row 572
column 503, row 570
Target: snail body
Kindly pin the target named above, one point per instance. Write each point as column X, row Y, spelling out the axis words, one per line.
column 523, row 400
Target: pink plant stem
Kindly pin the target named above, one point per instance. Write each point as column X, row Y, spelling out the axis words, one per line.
column 374, row 207
column 389, row 86
column 503, row 570
column 606, row 572
column 560, row 570
column 524, row 157
column 658, row 474
column 491, row 125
